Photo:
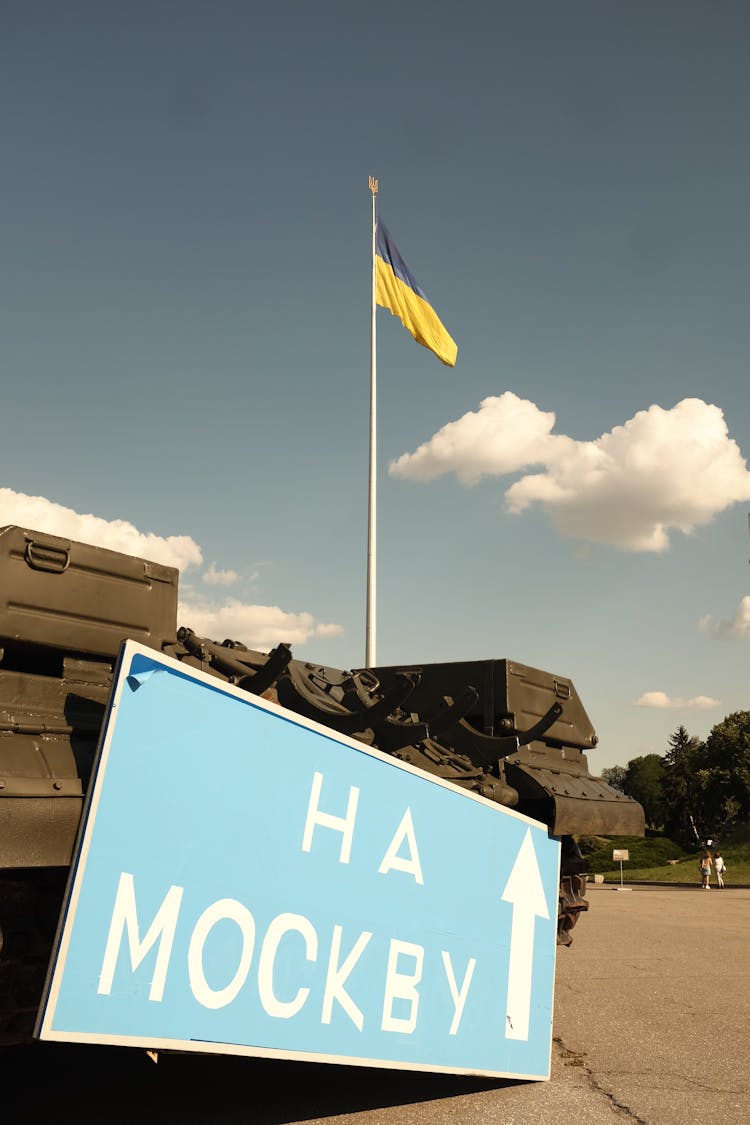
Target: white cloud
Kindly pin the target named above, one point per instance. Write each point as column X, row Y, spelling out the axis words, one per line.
column 661, row 471
column 214, row 577
column 39, row 514
column 258, row 626
column 661, row 700
column 329, row 630
column 505, row 434
column 737, row 628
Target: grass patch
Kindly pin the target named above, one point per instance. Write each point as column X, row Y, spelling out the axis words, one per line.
column 649, row 858
column 645, row 852
column 737, row 873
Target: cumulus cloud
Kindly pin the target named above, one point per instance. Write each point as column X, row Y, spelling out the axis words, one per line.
column 661, row 700
column 329, row 630
column 661, row 471
column 504, row 435
column 214, row 577
column 118, row 535
column 736, row 628
column 257, row 626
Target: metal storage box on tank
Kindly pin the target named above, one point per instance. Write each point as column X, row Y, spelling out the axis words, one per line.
column 72, row 596
column 530, row 692
column 512, row 697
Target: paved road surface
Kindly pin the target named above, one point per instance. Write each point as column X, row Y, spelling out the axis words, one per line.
column 652, row 1024
column 667, row 1023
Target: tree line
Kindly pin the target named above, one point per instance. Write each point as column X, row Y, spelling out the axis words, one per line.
column 696, row 789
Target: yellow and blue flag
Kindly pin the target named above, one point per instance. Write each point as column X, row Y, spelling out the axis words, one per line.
column 398, row 291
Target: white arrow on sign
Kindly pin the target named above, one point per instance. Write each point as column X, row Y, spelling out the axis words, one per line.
column 525, row 892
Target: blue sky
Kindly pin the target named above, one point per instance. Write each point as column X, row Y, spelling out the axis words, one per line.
column 184, row 315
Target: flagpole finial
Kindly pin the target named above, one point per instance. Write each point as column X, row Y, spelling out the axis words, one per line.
column 373, row 185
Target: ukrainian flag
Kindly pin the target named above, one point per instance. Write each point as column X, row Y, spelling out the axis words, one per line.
column 398, row 291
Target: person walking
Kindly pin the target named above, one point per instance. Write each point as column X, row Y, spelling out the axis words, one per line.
column 719, row 867
column 705, row 869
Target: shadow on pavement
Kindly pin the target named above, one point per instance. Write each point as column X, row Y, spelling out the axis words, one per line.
column 122, row 1085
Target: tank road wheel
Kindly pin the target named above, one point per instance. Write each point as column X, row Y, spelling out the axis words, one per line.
column 571, row 901
column 570, row 905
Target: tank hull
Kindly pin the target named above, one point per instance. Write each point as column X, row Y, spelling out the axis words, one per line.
column 514, row 734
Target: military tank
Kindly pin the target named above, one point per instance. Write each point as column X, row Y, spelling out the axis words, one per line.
column 514, row 734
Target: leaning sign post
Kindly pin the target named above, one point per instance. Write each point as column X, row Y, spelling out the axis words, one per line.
column 250, row 882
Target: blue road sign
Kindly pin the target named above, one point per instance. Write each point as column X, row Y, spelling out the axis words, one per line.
column 249, row 882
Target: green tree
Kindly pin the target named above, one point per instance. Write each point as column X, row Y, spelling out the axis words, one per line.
column 726, row 767
column 615, row 776
column 683, row 786
column 644, row 780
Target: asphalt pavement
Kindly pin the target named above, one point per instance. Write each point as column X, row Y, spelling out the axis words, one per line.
column 654, row 995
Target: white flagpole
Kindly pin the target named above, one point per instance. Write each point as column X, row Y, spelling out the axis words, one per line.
column 372, row 499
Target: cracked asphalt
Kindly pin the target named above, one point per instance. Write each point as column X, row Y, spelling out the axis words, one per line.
column 664, row 1018
column 651, row 1024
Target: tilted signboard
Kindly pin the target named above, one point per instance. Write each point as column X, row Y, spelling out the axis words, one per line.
column 249, row 882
